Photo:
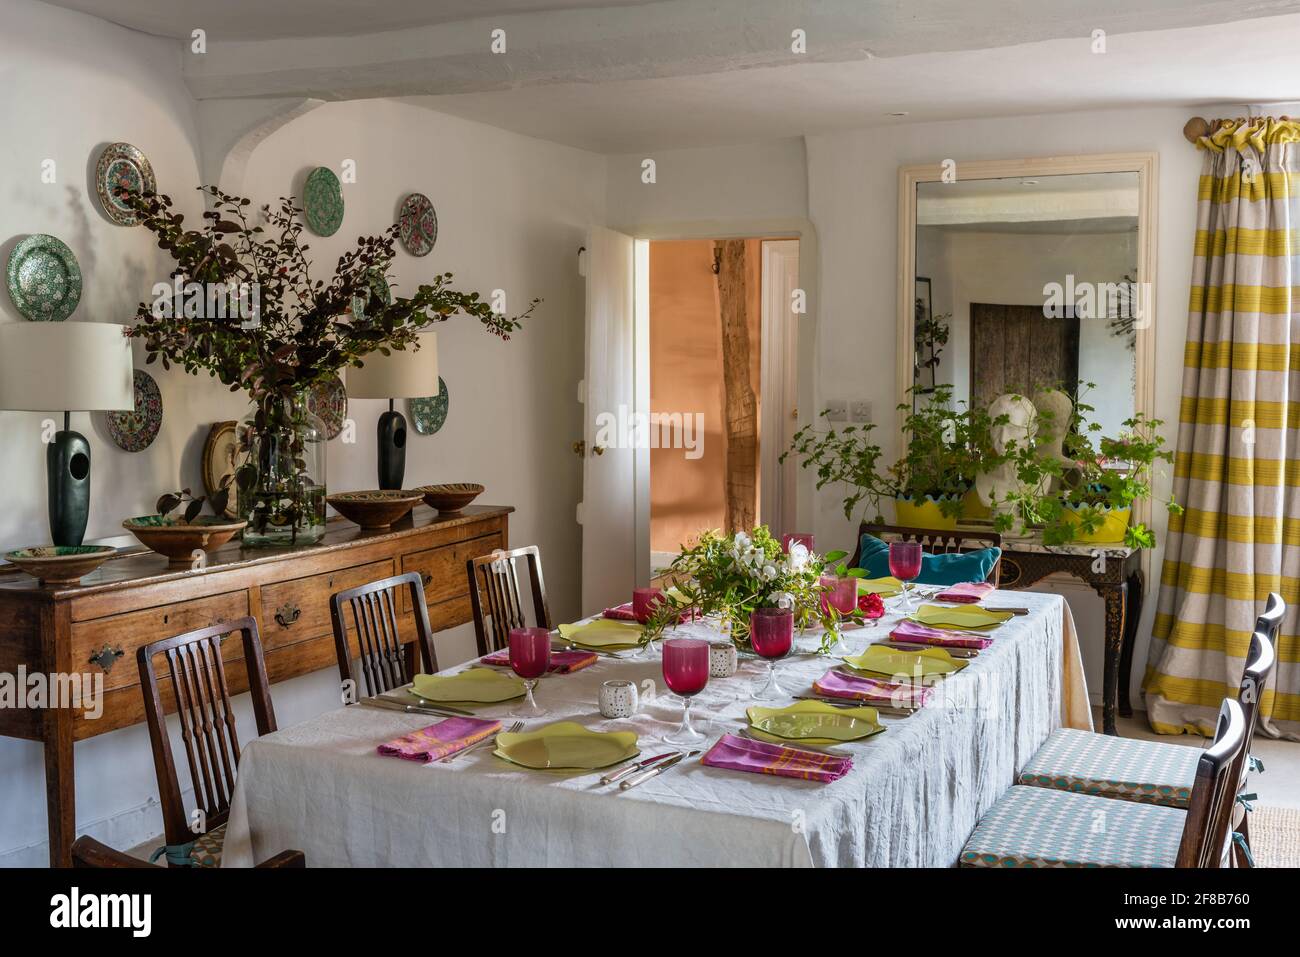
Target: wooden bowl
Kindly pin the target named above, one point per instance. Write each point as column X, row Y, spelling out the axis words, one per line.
column 60, row 564
column 450, row 497
column 177, row 539
column 377, row 508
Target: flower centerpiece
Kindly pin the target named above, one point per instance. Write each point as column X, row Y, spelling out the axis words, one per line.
column 729, row 577
column 300, row 332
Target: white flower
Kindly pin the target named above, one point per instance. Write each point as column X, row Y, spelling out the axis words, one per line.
column 741, row 541
column 769, row 572
column 782, row 599
column 798, row 556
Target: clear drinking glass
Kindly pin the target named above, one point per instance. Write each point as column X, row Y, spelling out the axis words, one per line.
column 530, row 656
column 771, row 634
column 686, row 672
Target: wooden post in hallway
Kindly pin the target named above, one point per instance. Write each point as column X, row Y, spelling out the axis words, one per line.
column 739, row 404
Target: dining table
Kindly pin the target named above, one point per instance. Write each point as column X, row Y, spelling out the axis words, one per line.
column 912, row 797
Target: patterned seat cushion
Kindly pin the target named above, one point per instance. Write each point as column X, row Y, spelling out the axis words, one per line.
column 1037, row 827
column 1149, row 772
column 207, row 848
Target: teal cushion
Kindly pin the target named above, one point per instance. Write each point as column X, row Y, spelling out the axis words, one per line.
column 935, row 569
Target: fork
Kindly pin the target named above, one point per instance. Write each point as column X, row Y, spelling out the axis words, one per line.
column 513, row 729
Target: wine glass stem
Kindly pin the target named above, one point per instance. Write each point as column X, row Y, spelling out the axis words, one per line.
column 687, row 728
column 530, row 703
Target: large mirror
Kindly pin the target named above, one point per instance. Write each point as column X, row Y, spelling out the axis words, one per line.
column 1024, row 276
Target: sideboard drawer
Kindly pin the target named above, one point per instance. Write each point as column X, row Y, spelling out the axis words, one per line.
column 442, row 569
column 105, row 637
column 296, row 610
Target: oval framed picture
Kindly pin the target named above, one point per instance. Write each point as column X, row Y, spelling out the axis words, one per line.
column 322, row 201
column 122, row 167
column 220, row 452
column 418, row 224
column 430, row 412
column 135, row 431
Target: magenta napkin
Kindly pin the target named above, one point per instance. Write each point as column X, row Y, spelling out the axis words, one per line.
column 872, row 691
column 966, row 593
column 744, row 754
column 562, row 662
column 441, row 739
column 920, row 634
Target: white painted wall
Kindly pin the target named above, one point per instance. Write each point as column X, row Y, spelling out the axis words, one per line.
column 512, row 214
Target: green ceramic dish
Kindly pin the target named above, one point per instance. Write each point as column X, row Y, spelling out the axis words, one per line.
column 477, row 685
column 604, row 634
column 961, row 616
column 882, row 660
column 322, row 202
column 884, row 587
column 815, row 722
column 44, row 279
column 60, row 564
column 567, row 746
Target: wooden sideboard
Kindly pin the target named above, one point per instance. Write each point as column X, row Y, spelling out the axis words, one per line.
column 96, row 627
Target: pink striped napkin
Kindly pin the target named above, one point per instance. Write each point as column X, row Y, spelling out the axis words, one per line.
column 439, row 740
column 624, row 612
column 877, row 691
column 966, row 593
column 562, row 662
column 920, row 634
column 743, row 754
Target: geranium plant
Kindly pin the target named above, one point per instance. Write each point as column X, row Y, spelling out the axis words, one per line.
column 731, row 576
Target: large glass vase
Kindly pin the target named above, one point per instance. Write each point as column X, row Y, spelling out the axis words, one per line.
column 280, row 479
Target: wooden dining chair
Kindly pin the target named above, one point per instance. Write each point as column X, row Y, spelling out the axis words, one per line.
column 197, row 685
column 1042, row 827
column 90, row 853
column 496, row 597
column 1154, row 772
column 935, row 541
column 385, row 663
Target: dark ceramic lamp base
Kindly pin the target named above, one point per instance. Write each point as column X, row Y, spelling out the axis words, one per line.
column 392, row 448
column 67, row 461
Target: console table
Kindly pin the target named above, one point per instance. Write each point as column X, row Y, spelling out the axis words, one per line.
column 95, row 627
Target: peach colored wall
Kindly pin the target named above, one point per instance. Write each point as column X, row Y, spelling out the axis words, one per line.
column 688, row 495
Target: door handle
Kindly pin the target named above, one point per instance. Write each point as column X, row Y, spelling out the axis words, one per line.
column 580, row 448
column 598, row 450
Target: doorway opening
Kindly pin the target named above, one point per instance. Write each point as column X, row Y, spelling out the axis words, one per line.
column 722, row 367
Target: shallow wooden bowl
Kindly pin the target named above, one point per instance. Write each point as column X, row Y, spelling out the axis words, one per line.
column 376, row 508
column 450, row 497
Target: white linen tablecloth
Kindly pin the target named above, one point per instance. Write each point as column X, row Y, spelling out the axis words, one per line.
column 914, row 795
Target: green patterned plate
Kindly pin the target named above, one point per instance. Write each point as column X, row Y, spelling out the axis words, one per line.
column 378, row 290
column 322, row 202
column 430, row 412
column 327, row 399
column 44, row 279
column 122, row 166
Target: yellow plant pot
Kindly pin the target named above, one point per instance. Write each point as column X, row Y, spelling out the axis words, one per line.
column 925, row 514
column 1114, row 524
column 972, row 506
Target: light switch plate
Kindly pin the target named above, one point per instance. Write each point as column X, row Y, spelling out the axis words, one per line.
column 860, row 411
column 836, row 410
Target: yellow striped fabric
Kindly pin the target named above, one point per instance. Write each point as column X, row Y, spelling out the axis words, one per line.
column 1237, row 469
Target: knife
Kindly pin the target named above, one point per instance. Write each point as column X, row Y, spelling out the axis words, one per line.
column 388, row 704
column 424, row 703
column 623, row 772
column 643, row 776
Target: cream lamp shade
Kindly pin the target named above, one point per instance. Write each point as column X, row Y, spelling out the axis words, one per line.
column 65, row 366
column 406, row 374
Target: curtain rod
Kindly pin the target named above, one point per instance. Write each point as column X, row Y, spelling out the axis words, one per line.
column 1198, row 126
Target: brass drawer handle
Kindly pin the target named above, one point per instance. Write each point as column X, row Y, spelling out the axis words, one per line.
column 106, row 657
column 287, row 614
column 426, row 579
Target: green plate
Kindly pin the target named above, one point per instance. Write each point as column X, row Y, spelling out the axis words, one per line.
column 880, row 660
column 430, row 411
column 568, row 746
column 475, row 686
column 961, row 616
column 322, row 202
column 884, row 587
column 44, row 279
column 604, row 634
column 814, row 722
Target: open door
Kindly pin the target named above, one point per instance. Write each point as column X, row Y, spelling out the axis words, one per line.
column 614, row 512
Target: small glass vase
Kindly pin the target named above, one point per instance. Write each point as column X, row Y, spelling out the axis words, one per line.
column 280, row 475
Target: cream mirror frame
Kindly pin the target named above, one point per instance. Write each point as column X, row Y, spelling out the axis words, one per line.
column 1145, row 165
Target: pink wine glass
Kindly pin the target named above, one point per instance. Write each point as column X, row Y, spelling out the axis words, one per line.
column 840, row 595
column 771, row 633
column 803, row 538
column 905, row 565
column 644, row 603
column 686, row 672
column 530, row 656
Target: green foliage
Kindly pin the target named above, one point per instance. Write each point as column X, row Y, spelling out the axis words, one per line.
column 847, row 456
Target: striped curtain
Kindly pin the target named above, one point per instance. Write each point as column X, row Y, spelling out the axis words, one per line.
column 1237, row 469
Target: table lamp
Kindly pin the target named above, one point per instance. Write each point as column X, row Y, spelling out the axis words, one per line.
column 402, row 374
column 67, row 367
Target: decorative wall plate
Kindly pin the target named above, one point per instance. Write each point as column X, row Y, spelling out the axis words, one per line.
column 322, row 202
column 44, row 279
column 135, row 431
column 418, row 224
column 328, row 401
column 430, row 412
column 220, row 452
column 122, row 166
column 379, row 289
